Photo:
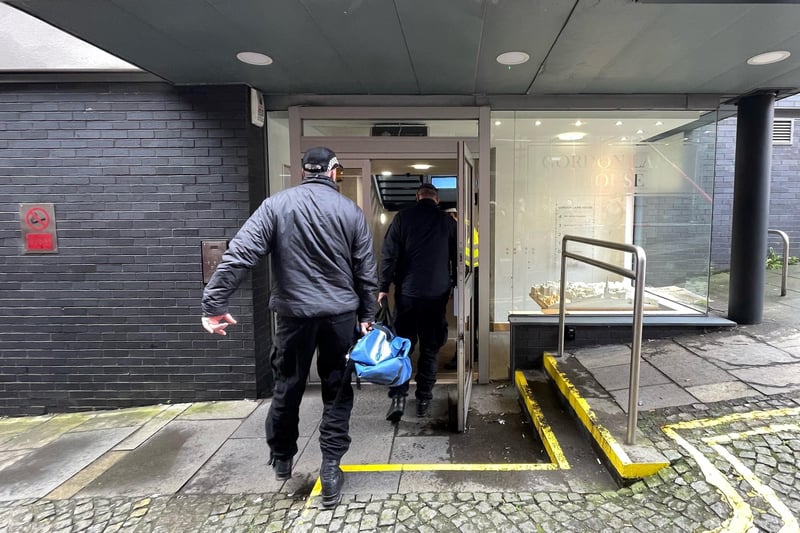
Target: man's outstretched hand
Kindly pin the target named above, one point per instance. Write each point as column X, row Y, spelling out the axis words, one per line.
column 217, row 324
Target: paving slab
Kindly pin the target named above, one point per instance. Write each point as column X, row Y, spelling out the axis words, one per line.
column 735, row 351
column 11, row 457
column 11, row 427
column 481, row 482
column 369, row 443
column 253, row 425
column 152, row 426
column 87, row 475
column 165, row 461
column 49, row 466
column 121, row 418
column 619, row 377
column 46, row 432
column 655, row 397
column 239, row 466
column 371, row 482
column 684, row 367
column 718, row 392
column 421, row 449
column 774, row 379
column 219, row 410
column 600, row 356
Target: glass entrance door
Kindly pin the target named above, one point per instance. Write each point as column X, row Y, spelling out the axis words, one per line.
column 465, row 325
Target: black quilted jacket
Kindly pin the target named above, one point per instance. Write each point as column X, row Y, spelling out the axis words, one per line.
column 320, row 250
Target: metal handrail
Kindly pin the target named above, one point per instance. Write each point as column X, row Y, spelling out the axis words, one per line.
column 785, row 269
column 638, row 277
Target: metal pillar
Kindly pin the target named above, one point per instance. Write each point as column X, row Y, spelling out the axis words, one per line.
column 750, row 208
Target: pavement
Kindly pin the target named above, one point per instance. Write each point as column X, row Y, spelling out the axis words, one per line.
column 720, row 407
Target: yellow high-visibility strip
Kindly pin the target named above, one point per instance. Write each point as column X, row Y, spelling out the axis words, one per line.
column 608, row 445
column 766, row 430
column 551, row 445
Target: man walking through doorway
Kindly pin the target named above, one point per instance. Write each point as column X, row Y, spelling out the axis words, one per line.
column 419, row 257
column 323, row 281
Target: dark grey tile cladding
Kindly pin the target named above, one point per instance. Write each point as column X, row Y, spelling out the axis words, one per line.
column 139, row 174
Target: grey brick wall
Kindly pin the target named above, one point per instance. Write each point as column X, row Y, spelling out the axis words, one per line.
column 784, row 187
column 139, row 175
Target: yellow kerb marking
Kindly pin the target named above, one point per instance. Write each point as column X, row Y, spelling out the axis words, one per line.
column 542, row 427
column 736, row 417
column 611, row 448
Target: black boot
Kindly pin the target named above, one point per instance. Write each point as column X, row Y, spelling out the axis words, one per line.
column 332, row 479
column 397, row 409
column 281, row 467
column 423, row 406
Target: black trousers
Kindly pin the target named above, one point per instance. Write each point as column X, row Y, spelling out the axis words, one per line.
column 423, row 320
column 295, row 341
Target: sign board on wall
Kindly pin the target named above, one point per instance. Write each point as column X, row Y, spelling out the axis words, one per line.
column 38, row 225
column 256, row 108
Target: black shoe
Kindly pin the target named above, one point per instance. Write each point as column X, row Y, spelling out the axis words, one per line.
column 423, row 406
column 332, row 479
column 281, row 467
column 397, row 409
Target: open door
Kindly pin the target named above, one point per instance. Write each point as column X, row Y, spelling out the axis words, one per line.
column 465, row 327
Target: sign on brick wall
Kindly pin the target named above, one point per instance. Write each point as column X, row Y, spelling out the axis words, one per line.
column 38, row 224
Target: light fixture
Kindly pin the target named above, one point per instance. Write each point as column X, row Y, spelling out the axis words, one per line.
column 624, row 139
column 639, row 132
column 578, row 123
column 769, row 57
column 659, row 123
column 513, row 58
column 386, row 173
column 571, row 136
column 421, row 166
column 537, row 123
column 497, row 122
column 619, row 123
column 254, row 58
column 383, row 218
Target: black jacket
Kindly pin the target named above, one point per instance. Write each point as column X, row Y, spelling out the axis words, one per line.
column 419, row 252
column 320, row 251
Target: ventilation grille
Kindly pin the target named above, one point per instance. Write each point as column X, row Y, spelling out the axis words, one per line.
column 782, row 131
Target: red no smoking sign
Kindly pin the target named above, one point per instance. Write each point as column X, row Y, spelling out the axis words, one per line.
column 38, row 226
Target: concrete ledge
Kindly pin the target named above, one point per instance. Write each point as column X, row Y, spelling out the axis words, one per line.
column 607, row 428
column 536, row 416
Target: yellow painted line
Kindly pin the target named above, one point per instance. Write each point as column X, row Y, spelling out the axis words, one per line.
column 741, row 519
column 421, row 467
column 766, row 430
column 789, row 521
column 736, row 417
column 548, row 438
column 610, row 447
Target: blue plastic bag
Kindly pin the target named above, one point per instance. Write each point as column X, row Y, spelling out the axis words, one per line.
column 381, row 357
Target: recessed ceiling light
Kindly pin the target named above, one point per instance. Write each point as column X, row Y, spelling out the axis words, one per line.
column 623, row 139
column 639, row 132
column 578, row 123
column 497, row 122
column 619, row 123
column 768, row 57
column 421, row 166
column 254, row 58
column 659, row 123
column 537, row 123
column 571, row 136
column 386, row 173
column 513, row 58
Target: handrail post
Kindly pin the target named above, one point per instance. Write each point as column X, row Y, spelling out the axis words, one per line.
column 638, row 277
column 785, row 262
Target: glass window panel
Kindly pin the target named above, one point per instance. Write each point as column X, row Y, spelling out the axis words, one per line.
column 643, row 178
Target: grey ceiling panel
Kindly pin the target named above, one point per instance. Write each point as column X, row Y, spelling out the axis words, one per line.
column 517, row 25
column 368, row 38
column 444, row 47
column 443, row 39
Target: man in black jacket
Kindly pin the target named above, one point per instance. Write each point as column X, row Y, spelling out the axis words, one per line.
column 323, row 281
column 419, row 257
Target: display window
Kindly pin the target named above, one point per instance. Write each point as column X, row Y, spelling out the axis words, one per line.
column 642, row 178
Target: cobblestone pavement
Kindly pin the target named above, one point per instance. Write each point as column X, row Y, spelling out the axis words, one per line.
column 734, row 467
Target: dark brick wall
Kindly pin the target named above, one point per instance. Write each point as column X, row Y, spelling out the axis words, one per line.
column 139, row 175
column 784, row 187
